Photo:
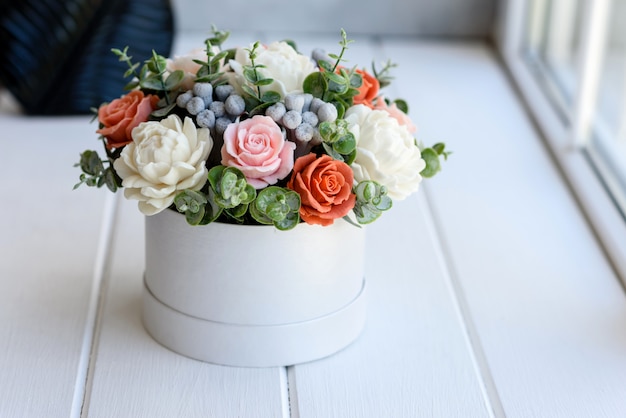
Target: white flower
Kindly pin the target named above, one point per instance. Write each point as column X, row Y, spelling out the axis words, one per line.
column 386, row 151
column 164, row 158
column 282, row 63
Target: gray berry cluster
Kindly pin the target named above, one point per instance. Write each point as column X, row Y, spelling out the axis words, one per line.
column 300, row 114
column 214, row 108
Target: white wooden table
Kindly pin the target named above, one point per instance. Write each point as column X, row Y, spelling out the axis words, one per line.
column 488, row 293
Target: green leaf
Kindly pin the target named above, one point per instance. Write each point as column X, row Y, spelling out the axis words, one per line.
column 278, row 206
column 173, row 80
column 219, row 57
column 325, row 65
column 264, row 82
column 433, row 165
column 164, row 111
column 439, row 148
column 259, row 216
column 356, row 80
column 238, row 211
column 230, row 187
column 315, row 84
column 289, row 222
column 151, row 83
column 249, row 90
column 250, row 75
column 131, row 70
column 341, row 109
column 91, row 163
column 110, row 179
column 349, row 159
column 371, row 201
column 346, row 144
column 131, row 85
column 331, row 152
column 402, row 105
column 270, row 97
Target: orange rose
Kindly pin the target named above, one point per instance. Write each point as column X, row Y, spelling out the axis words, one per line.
column 325, row 188
column 368, row 90
column 122, row 115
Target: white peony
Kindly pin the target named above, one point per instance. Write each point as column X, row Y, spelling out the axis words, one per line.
column 386, row 151
column 282, row 63
column 164, row 158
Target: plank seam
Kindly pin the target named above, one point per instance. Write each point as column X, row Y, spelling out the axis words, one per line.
column 487, row 384
column 292, row 393
column 91, row 334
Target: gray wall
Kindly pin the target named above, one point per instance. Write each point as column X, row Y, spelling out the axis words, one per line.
column 449, row 18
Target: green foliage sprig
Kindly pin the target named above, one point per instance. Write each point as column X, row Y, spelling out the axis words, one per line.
column 277, row 206
column 432, row 156
column 255, row 101
column 209, row 71
column 95, row 174
column 371, row 201
column 152, row 77
column 330, row 86
column 338, row 141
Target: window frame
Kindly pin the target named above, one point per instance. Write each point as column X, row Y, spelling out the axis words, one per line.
column 565, row 140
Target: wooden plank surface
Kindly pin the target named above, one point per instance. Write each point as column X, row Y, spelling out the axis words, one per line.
column 412, row 359
column 548, row 310
column 48, row 241
column 136, row 377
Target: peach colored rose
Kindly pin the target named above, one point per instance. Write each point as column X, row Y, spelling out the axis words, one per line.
column 397, row 114
column 187, row 65
column 325, row 188
column 368, row 90
column 258, row 148
column 119, row 117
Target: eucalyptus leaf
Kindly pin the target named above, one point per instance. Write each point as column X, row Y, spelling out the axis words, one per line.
column 270, row 97
column 346, row 144
column 110, row 179
column 173, row 80
column 402, row 105
column 433, row 165
column 439, row 148
column 164, row 111
column 331, row 152
column 325, row 65
column 315, row 84
column 250, row 75
column 151, row 83
column 264, row 81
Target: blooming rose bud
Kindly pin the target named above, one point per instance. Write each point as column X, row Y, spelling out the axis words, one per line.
column 325, row 188
column 258, row 148
column 368, row 90
column 119, row 117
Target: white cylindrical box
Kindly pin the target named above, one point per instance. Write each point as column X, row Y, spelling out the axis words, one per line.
column 254, row 296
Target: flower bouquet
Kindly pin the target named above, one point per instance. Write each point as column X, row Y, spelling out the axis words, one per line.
column 262, row 145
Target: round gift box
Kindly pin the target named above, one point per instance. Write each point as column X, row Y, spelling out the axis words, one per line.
column 254, row 296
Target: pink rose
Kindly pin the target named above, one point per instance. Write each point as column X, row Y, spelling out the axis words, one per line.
column 397, row 114
column 258, row 148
